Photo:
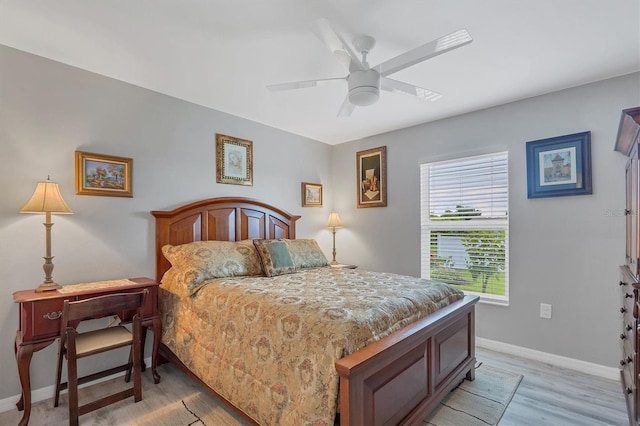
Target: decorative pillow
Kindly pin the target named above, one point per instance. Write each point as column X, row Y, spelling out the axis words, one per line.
column 275, row 257
column 306, row 253
column 200, row 261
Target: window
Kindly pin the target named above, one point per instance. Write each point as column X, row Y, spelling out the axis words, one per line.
column 465, row 224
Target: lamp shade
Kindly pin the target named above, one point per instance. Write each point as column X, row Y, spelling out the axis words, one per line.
column 334, row 221
column 46, row 198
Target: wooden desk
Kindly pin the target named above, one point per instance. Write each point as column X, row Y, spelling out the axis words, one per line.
column 40, row 326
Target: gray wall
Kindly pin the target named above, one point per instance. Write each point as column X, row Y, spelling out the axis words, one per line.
column 49, row 110
column 564, row 251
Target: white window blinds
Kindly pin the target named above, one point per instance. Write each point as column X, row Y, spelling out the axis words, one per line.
column 464, row 212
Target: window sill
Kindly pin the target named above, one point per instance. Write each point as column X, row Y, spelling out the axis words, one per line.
column 490, row 299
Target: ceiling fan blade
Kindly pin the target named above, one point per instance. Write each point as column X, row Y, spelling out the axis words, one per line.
column 421, row 53
column 302, row 84
column 391, row 85
column 334, row 42
column 347, row 108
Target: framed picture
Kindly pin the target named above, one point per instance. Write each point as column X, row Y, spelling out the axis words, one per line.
column 371, row 166
column 311, row 194
column 234, row 160
column 98, row 174
column 559, row 166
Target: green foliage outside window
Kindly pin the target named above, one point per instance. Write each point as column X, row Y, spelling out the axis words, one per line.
column 484, row 253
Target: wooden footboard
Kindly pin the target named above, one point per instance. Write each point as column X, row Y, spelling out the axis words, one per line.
column 401, row 378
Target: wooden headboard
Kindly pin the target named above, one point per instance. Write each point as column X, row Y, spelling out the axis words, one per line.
column 221, row 219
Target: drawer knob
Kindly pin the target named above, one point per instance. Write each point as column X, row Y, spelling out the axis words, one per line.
column 621, row 283
column 623, row 336
column 628, row 327
column 623, row 310
column 628, row 295
column 52, row 315
column 626, row 361
column 628, row 391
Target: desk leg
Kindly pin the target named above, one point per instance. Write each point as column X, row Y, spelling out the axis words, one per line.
column 24, row 352
column 157, row 335
column 23, row 357
column 143, row 337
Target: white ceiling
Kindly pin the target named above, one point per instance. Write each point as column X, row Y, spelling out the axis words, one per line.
column 222, row 54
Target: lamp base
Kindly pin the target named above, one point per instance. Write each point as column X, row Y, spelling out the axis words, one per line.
column 47, row 287
column 335, row 262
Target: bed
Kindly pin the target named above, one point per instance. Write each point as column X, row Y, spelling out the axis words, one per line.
column 396, row 377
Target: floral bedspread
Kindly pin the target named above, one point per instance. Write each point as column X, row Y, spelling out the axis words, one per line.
column 268, row 345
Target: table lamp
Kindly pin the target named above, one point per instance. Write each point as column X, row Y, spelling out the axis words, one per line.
column 334, row 222
column 47, row 199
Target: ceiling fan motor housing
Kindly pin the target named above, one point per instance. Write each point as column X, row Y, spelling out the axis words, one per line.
column 364, row 87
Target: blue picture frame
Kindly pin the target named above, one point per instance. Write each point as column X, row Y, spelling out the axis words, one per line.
column 559, row 166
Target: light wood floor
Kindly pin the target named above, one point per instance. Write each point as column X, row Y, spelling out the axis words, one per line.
column 553, row 396
column 547, row 396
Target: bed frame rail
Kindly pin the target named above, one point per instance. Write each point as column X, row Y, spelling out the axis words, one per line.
column 401, row 378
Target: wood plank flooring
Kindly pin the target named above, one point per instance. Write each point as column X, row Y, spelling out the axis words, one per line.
column 547, row 396
column 553, row 396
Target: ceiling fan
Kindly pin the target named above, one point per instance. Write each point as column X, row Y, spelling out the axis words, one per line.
column 364, row 82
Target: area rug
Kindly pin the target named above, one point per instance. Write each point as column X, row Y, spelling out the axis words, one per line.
column 481, row 402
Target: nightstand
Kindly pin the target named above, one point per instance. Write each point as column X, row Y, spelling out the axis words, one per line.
column 344, row 266
column 40, row 323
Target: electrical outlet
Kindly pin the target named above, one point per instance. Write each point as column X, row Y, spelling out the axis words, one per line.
column 545, row 311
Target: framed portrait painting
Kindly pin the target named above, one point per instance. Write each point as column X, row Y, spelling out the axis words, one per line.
column 371, row 166
column 234, row 160
column 98, row 174
column 311, row 194
column 559, row 166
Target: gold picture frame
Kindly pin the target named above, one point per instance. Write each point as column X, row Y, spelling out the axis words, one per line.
column 371, row 166
column 311, row 194
column 105, row 175
column 234, row 160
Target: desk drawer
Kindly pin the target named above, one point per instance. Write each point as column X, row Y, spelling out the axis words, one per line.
column 43, row 318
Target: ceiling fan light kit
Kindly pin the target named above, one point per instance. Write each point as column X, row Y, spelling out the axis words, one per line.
column 364, row 87
column 364, row 83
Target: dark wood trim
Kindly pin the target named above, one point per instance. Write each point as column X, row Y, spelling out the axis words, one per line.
column 222, row 219
column 448, row 332
column 628, row 130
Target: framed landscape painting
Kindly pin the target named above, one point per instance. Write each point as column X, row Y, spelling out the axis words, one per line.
column 99, row 174
column 371, row 166
column 559, row 166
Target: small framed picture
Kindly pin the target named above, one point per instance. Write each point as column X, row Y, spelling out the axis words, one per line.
column 559, row 166
column 311, row 194
column 98, row 174
column 234, row 160
column 371, row 166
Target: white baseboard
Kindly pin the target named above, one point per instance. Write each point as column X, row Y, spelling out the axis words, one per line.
column 37, row 395
column 556, row 360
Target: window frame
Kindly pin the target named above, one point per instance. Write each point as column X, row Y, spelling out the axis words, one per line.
column 478, row 223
